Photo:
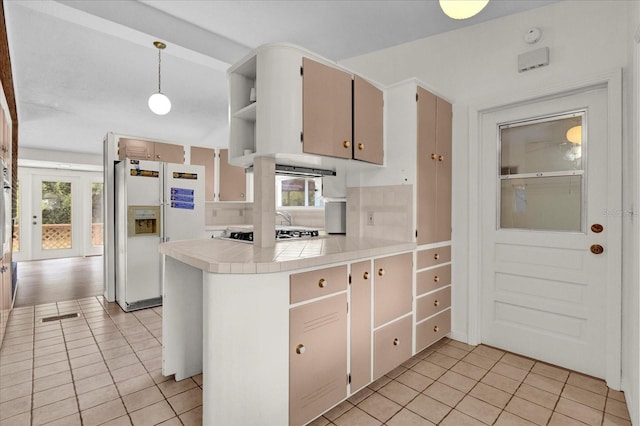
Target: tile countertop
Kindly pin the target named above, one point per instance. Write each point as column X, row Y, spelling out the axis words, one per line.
column 224, row 256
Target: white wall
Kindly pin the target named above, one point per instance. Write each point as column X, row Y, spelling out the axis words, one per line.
column 477, row 66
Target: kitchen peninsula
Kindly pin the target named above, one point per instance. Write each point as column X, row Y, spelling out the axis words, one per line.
column 227, row 309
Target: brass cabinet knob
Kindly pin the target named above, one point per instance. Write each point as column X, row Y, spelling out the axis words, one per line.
column 365, row 275
column 440, row 157
column 346, row 144
column 300, row 349
column 381, row 272
column 436, row 328
column 361, row 146
column 436, row 303
column 396, row 341
column 436, row 256
column 322, row 283
column 436, row 279
column 157, row 155
column 596, row 249
column 433, row 156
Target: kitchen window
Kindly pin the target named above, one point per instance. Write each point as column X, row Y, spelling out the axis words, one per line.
column 297, row 191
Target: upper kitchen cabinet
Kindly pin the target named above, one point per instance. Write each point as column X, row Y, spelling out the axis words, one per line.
column 434, row 168
column 137, row 149
column 205, row 157
column 289, row 103
column 233, row 181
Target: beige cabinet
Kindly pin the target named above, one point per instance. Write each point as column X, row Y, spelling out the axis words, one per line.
column 392, row 346
column 137, row 149
column 434, row 168
column 6, row 296
column 233, row 182
column 432, row 330
column 205, row 157
column 393, row 289
column 342, row 115
column 360, row 311
column 5, row 137
column 317, row 357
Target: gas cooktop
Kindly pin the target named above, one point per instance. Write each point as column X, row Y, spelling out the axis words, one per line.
column 281, row 234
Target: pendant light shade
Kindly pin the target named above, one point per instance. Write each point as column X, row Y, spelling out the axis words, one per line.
column 462, row 9
column 574, row 135
column 159, row 103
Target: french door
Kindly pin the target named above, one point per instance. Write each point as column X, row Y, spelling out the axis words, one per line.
column 60, row 214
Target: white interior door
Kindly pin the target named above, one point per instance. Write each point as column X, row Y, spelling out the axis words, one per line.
column 546, row 201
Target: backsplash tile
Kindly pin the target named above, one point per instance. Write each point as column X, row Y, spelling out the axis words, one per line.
column 391, row 206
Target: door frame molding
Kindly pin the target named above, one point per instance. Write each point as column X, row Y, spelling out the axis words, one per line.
column 612, row 81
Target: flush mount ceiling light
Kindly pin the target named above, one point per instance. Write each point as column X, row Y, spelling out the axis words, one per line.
column 574, row 135
column 159, row 103
column 462, row 9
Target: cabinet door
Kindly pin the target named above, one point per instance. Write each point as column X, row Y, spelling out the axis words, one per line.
column 168, row 153
column 205, row 157
column 392, row 346
column 393, row 287
column 427, row 162
column 317, row 358
column 360, row 325
column 326, row 110
column 233, row 182
column 433, row 329
column 367, row 122
column 443, row 178
column 135, row 149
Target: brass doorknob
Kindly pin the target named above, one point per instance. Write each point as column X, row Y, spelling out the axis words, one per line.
column 596, row 228
column 596, row 249
column 322, row 283
column 346, row 144
column 360, row 146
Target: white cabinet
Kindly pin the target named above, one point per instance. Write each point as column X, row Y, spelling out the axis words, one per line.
column 268, row 106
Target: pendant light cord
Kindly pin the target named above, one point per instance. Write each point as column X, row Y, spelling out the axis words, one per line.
column 159, row 61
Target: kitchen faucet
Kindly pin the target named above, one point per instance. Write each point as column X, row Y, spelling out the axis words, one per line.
column 285, row 215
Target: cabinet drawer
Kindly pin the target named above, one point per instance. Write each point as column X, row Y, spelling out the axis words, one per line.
column 391, row 346
column 392, row 287
column 432, row 279
column 312, row 284
column 431, row 257
column 433, row 303
column 433, row 330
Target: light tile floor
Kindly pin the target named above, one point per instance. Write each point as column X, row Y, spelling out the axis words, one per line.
column 105, row 368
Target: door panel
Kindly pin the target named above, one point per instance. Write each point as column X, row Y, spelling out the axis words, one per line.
column 427, row 161
column 443, row 146
column 367, row 121
column 360, row 325
column 168, row 153
column 544, row 292
column 135, row 149
column 326, row 110
column 233, row 180
column 205, row 157
column 392, row 283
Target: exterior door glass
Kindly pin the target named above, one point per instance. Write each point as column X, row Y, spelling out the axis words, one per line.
column 541, row 171
column 16, row 225
column 56, row 215
column 97, row 222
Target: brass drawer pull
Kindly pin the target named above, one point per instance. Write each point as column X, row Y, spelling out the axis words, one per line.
column 433, row 156
column 365, row 275
column 440, row 157
column 346, row 144
column 436, row 328
column 436, row 256
column 436, row 303
column 436, row 279
column 300, row 349
column 322, row 283
column 381, row 271
column 396, row 341
column 361, row 146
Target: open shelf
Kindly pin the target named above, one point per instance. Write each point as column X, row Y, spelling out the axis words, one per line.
column 247, row 113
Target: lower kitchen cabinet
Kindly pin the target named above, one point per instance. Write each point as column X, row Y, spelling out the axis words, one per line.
column 317, row 357
column 430, row 331
column 360, row 311
column 393, row 295
column 392, row 346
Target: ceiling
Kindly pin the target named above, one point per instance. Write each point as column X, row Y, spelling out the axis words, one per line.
column 84, row 68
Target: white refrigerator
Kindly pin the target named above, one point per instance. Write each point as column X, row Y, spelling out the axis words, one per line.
column 154, row 202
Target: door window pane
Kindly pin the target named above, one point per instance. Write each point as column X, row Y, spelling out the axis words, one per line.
column 56, row 215
column 16, row 226
column 541, row 173
column 97, row 224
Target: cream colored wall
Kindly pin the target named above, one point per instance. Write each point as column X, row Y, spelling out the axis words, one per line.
column 477, row 66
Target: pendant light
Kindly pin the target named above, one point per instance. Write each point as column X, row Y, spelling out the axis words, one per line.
column 159, row 103
column 574, row 135
column 462, row 9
